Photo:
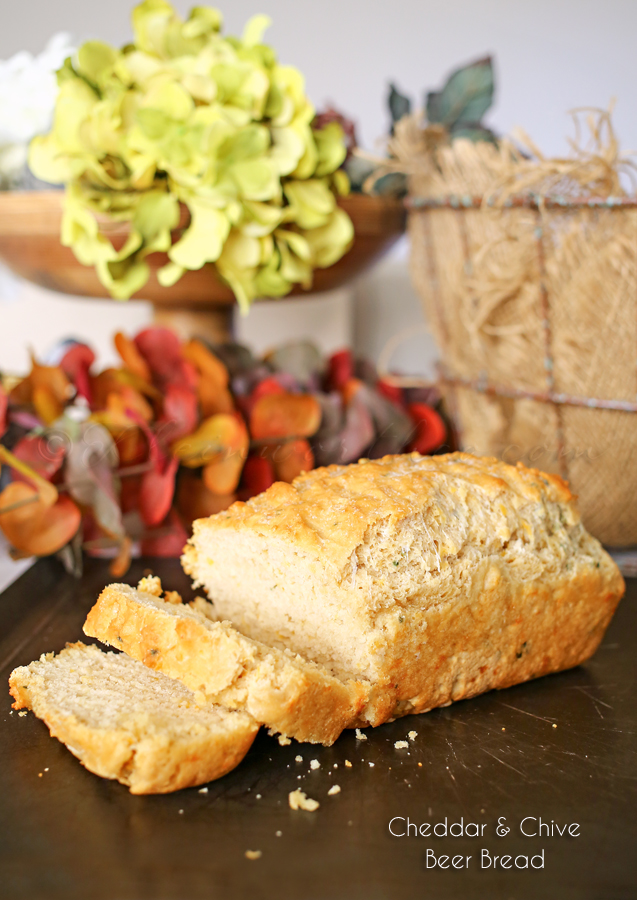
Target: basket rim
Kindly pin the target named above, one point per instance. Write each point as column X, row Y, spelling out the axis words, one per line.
column 529, row 201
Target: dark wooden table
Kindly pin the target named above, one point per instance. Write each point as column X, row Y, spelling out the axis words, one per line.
column 67, row 834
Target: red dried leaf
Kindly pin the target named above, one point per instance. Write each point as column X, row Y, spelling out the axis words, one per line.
column 431, row 431
column 180, row 414
column 161, row 349
column 170, row 540
column 391, row 392
column 340, row 369
column 76, row 364
column 156, row 492
column 40, row 454
column 285, row 415
column 258, row 475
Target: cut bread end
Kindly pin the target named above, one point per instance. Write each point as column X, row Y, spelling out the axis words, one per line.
column 278, row 688
column 123, row 721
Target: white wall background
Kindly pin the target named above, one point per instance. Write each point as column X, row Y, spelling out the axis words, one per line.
column 551, row 56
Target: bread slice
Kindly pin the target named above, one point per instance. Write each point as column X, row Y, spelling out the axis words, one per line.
column 124, row 721
column 434, row 578
column 276, row 687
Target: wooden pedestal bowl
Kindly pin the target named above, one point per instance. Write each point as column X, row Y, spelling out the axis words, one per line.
column 199, row 303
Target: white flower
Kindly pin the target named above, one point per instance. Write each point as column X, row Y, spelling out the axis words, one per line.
column 28, row 88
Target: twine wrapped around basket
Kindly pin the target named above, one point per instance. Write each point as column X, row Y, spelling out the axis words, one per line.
column 527, row 268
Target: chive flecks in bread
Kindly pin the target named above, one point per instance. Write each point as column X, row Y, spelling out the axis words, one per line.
column 432, row 578
column 280, row 689
column 126, row 722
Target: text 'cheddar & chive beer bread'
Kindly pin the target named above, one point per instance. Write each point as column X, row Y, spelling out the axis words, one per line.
column 432, row 578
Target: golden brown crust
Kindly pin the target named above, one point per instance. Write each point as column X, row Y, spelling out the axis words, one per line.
column 147, row 760
column 290, row 695
column 327, row 511
column 503, row 635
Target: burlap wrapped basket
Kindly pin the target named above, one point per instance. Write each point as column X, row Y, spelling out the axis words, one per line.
column 527, row 269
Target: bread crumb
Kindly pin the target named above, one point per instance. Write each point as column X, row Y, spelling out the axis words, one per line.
column 315, row 764
column 258, row 796
column 335, row 789
column 181, row 812
column 552, row 726
column 336, row 765
column 503, row 728
column 372, row 765
column 173, row 597
column 205, row 607
column 278, row 833
column 420, row 764
column 401, row 745
column 348, row 764
column 39, row 774
column 360, row 736
column 151, row 584
column 298, row 800
column 412, row 735
column 22, row 712
column 203, row 790
column 298, row 758
column 253, row 854
column 283, row 740
column 46, row 769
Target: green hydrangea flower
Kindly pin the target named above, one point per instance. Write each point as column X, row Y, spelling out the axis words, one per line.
column 185, row 115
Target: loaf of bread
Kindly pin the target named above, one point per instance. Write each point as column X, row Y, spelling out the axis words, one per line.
column 124, row 721
column 278, row 688
column 432, row 578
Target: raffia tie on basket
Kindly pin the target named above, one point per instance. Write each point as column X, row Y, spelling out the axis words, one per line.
column 527, row 268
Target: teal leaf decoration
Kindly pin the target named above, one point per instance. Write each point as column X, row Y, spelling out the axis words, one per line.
column 465, row 98
column 399, row 105
column 474, row 133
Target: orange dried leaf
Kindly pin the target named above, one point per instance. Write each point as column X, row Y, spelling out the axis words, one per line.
column 222, row 476
column 212, row 440
column 350, row 389
column 53, row 378
column 131, row 357
column 206, row 363
column 285, row 415
column 121, row 564
column 291, row 459
column 213, row 397
column 35, row 528
column 47, row 406
column 47, row 491
column 195, row 501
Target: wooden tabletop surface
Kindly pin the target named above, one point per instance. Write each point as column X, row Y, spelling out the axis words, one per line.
column 64, row 833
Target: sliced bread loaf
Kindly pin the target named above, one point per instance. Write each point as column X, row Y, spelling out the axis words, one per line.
column 124, row 721
column 434, row 578
column 276, row 687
